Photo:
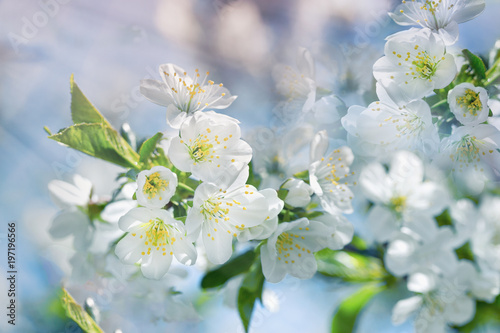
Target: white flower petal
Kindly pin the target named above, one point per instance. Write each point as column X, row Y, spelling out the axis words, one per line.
column 219, row 245
column 383, row 223
column 461, row 311
column 129, row 249
column 429, row 197
column 66, row 195
column 272, row 269
column 319, row 145
column 406, row 169
column 175, row 117
column 375, row 183
column 156, row 265
column 156, row 92
column 404, row 308
column 68, row 222
column 115, row 210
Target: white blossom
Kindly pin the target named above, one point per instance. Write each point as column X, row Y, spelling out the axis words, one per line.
column 297, row 85
column 290, row 249
column 390, row 126
column 442, row 299
column 278, row 155
column 469, row 104
column 420, row 246
column 155, row 187
column 74, row 199
column 183, row 95
column 399, row 194
column 329, row 175
column 210, row 147
column 222, row 214
column 441, row 16
column 471, row 148
column 417, row 61
column 299, row 193
column 69, row 195
column 153, row 238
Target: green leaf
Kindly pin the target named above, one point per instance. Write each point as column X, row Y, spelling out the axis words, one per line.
column 148, row 147
column 304, row 175
column 349, row 266
column 476, row 64
column 250, row 291
column 82, row 111
column 222, row 274
column 444, row 218
column 359, row 243
column 345, row 317
column 282, row 193
column 253, row 179
column 98, row 140
column 78, row 315
column 160, row 158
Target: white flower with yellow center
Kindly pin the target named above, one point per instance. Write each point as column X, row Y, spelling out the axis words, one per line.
column 391, row 127
column 469, row 104
column 183, row 95
column 221, row 215
column 279, row 155
column 329, row 175
column 443, row 298
column 400, row 194
column 153, row 238
column 264, row 230
column 297, row 85
column 442, row 16
column 209, row 146
column 471, row 149
column 417, row 61
column 155, row 187
column 290, row 249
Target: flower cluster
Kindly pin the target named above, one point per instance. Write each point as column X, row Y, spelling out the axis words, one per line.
column 430, row 121
column 199, row 192
column 415, row 169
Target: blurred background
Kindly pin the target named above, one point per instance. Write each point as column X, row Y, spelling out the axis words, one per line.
column 109, row 47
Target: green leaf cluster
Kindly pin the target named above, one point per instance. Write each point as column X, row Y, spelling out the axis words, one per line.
column 93, row 135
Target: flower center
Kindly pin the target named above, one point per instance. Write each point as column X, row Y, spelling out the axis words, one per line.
column 212, row 209
column 398, row 204
column 154, row 184
column 158, row 235
column 199, row 150
column 425, row 65
column 466, row 150
column 193, row 95
column 331, row 169
column 287, row 246
column 411, row 124
column 471, row 102
column 431, row 6
column 293, row 84
column 434, row 303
